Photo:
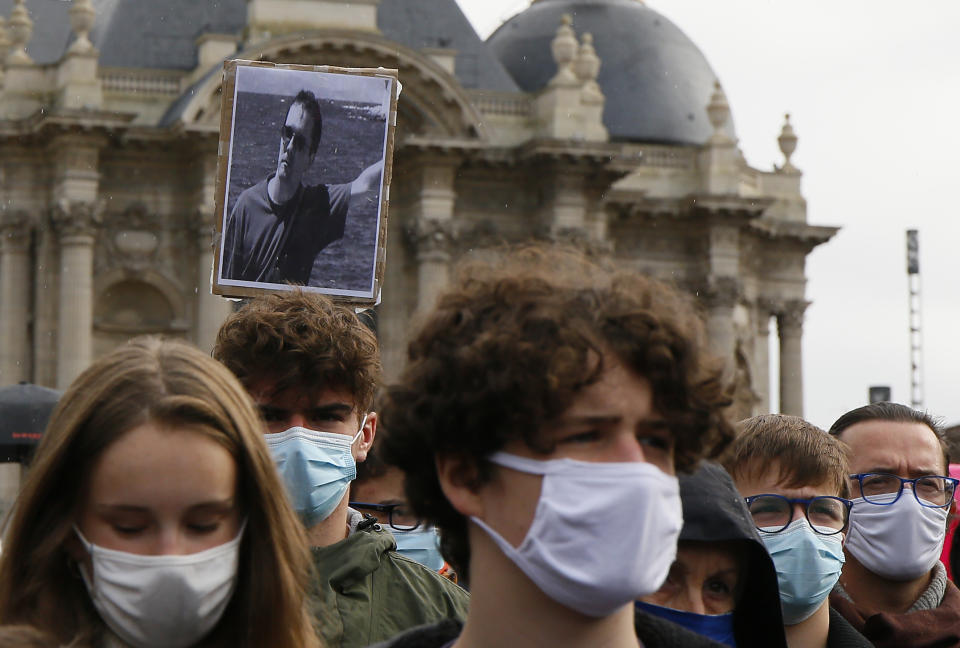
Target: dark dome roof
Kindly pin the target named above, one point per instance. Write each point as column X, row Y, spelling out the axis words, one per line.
column 657, row 83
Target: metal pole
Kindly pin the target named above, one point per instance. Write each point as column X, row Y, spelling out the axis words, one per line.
column 916, row 322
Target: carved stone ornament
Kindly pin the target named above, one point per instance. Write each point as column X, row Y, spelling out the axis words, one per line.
column 21, row 29
column 587, row 64
column 718, row 110
column 82, row 15
column 766, row 308
column 133, row 237
column 4, row 41
column 14, row 230
column 788, row 143
column 77, row 218
column 790, row 317
column 431, row 236
column 722, row 292
column 564, row 49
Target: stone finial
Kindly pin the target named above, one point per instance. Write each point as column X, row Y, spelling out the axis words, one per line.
column 587, row 64
column 21, row 29
column 564, row 48
column 788, row 143
column 719, row 112
column 587, row 68
column 4, row 41
column 82, row 15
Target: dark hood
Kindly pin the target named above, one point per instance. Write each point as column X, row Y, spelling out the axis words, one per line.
column 713, row 511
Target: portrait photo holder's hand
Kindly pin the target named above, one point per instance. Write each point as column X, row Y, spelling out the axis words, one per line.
column 303, row 178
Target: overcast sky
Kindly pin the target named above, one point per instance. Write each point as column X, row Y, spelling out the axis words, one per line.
column 873, row 90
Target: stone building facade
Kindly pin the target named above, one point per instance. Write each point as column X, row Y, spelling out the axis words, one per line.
column 556, row 128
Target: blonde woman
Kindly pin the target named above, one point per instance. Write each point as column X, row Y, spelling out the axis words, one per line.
column 153, row 515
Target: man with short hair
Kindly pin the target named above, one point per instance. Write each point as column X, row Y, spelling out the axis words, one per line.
column 278, row 226
column 894, row 588
column 793, row 476
column 378, row 491
column 312, row 369
column 545, row 409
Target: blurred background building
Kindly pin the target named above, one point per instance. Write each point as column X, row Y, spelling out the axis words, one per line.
column 591, row 122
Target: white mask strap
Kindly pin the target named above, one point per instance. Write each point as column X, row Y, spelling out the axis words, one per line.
column 521, row 464
column 363, row 424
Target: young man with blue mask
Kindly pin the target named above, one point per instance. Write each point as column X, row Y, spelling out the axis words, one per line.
column 894, row 588
column 545, row 410
column 312, row 368
column 792, row 475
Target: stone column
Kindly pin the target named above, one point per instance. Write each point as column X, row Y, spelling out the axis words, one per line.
column 790, row 326
column 761, row 357
column 10, row 474
column 211, row 310
column 723, row 288
column 434, row 240
column 564, row 189
column 15, row 282
column 76, row 225
column 432, row 233
column 721, row 298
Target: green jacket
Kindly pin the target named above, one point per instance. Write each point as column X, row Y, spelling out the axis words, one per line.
column 366, row 592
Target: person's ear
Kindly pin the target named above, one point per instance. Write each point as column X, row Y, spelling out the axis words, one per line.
column 76, row 553
column 459, row 480
column 365, row 442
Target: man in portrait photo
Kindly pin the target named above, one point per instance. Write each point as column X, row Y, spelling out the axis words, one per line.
column 278, row 226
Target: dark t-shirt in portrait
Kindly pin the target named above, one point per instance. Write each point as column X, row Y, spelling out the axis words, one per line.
column 272, row 243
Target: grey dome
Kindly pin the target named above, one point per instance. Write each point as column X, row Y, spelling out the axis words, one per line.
column 656, row 82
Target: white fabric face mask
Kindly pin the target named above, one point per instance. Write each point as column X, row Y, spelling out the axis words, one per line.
column 900, row 541
column 603, row 535
column 161, row 601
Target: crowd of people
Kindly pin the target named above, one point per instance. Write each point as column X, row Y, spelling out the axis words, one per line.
column 554, row 467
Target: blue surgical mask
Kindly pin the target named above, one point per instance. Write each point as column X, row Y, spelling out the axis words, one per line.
column 718, row 627
column 808, row 566
column 316, row 467
column 421, row 544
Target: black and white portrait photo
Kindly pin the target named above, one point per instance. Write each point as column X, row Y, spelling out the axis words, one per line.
column 305, row 180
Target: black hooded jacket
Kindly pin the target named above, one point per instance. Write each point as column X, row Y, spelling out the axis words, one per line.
column 714, row 511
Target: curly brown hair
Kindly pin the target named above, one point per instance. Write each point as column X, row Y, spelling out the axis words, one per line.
column 304, row 341
column 512, row 343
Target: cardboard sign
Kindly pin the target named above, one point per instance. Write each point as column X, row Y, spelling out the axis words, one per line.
column 303, row 179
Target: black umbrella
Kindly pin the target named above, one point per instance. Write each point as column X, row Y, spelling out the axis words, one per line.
column 24, row 412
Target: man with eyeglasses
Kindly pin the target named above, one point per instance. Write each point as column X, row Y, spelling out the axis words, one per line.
column 894, row 588
column 378, row 492
column 278, row 226
column 793, row 476
column 312, row 367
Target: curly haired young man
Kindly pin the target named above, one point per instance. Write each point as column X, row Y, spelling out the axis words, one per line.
column 544, row 412
column 312, row 367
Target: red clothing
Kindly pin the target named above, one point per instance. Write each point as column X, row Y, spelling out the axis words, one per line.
column 937, row 628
